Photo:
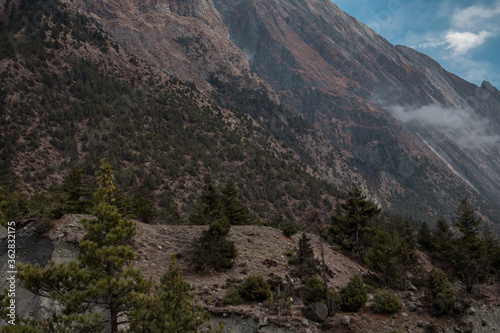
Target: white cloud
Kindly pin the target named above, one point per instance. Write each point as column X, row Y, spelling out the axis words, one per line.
column 476, row 16
column 461, row 42
column 466, row 128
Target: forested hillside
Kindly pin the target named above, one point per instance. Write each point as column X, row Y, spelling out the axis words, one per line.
column 71, row 96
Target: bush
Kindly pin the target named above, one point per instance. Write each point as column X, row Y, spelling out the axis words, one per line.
column 232, row 296
column 288, row 252
column 314, row 291
column 387, row 302
column 289, row 228
column 255, row 289
column 439, row 293
column 355, row 296
column 43, row 226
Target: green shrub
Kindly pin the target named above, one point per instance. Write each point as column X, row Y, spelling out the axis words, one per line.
column 439, row 293
column 355, row 296
column 232, row 296
column 43, row 226
column 314, row 291
column 289, row 228
column 288, row 252
column 255, row 289
column 387, row 302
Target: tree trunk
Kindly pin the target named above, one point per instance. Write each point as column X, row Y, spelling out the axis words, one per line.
column 328, row 305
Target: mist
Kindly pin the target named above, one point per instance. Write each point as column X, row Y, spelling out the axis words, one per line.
column 466, row 128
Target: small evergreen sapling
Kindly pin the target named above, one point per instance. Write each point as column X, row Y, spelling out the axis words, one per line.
column 354, row 297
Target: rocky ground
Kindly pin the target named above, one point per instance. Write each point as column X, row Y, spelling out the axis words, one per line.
column 260, row 251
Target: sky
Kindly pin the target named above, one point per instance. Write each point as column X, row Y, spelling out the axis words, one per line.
column 463, row 36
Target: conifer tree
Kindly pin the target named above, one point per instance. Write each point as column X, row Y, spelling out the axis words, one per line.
column 380, row 256
column 76, row 191
column 216, row 252
column 467, row 258
column 355, row 296
column 350, row 220
column 305, row 265
column 209, row 207
column 424, row 237
column 491, row 253
column 466, row 221
column 170, row 308
column 103, row 279
column 142, row 205
column 443, row 241
column 237, row 212
column 175, row 214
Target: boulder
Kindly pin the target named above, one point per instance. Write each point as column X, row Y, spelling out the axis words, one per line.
column 316, row 312
column 346, row 320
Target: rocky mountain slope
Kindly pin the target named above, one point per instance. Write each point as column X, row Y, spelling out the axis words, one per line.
column 421, row 137
column 71, row 95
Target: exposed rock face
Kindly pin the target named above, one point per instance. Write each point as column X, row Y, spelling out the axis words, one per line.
column 353, row 84
column 420, row 137
column 186, row 39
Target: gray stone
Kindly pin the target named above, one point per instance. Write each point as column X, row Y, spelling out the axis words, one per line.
column 412, row 307
column 404, row 314
column 308, row 330
column 420, row 323
column 305, row 322
column 316, row 312
column 411, row 287
column 346, row 321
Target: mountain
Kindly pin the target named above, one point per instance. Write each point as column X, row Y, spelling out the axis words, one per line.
column 71, row 95
column 415, row 136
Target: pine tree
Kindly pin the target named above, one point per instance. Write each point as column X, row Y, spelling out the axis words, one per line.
column 176, row 218
column 142, row 205
column 467, row 257
column 103, row 279
column 350, row 220
column 491, row 253
column 216, row 252
column 305, row 265
column 76, row 191
column 209, row 207
column 237, row 212
column 443, row 241
column 424, row 237
column 380, row 256
column 466, row 221
column 171, row 307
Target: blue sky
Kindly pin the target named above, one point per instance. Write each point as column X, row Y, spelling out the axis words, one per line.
column 463, row 36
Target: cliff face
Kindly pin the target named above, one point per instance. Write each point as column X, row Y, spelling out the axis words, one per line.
column 412, row 125
column 186, row 39
column 417, row 136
